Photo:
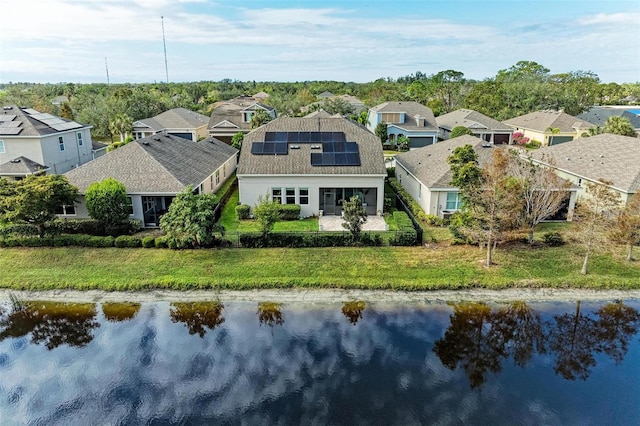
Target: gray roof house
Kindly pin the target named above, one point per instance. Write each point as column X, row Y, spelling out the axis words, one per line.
column 314, row 162
column 425, row 174
column 598, row 115
column 35, row 142
column 549, row 127
column 606, row 156
column 409, row 119
column 486, row 128
column 177, row 121
column 156, row 168
column 233, row 116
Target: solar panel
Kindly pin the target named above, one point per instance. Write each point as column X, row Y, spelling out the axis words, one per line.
column 10, row 123
column 257, row 148
column 353, row 159
column 339, row 137
column 270, row 136
column 269, row 148
column 304, row 137
column 341, row 159
column 281, row 149
column 350, row 147
column 316, row 159
column 10, row 130
column 328, row 147
column 281, row 136
column 339, row 146
column 327, row 136
column 31, row 111
column 315, row 136
column 7, row 117
column 65, row 126
column 328, row 159
column 293, row 137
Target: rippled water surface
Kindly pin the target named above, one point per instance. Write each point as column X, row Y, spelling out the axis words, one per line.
column 345, row 363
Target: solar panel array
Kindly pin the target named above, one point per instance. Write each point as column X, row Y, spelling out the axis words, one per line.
column 336, row 151
column 52, row 121
column 8, row 126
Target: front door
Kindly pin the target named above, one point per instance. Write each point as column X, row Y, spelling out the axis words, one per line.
column 329, row 202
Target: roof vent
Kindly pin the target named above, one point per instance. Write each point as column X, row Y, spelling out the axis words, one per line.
column 568, row 159
column 15, row 160
column 145, row 142
column 601, row 156
column 7, row 108
column 315, row 146
column 295, row 147
column 157, row 138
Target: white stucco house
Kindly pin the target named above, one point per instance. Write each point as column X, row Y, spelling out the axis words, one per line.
column 314, row 162
column 410, row 119
column 154, row 170
column 33, row 142
column 177, row 121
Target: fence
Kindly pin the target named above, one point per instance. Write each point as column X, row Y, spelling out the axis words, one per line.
column 320, row 239
column 400, row 205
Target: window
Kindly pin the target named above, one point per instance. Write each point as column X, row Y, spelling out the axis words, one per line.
column 61, row 143
column 391, row 117
column 130, row 205
column 2, row 151
column 419, row 191
column 246, row 116
column 276, row 195
column 224, row 170
column 66, row 210
column 453, row 201
column 304, row 196
column 218, row 177
column 291, row 195
column 79, row 137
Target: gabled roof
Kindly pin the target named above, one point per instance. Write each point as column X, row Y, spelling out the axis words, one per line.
column 411, row 109
column 321, row 114
column 231, row 111
column 470, row 119
column 298, row 161
column 544, row 119
column 260, row 95
column 155, row 164
column 429, row 164
column 21, row 166
column 599, row 114
column 607, row 156
column 15, row 121
column 176, row 118
column 326, row 94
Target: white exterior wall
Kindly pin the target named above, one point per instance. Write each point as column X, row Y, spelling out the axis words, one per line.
column 417, row 190
column 253, row 186
column 17, row 147
column 209, row 184
column 136, row 199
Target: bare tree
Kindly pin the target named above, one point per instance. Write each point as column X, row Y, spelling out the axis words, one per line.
column 595, row 214
column 626, row 227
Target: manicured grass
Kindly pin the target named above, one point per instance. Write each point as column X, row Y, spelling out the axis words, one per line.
column 401, row 268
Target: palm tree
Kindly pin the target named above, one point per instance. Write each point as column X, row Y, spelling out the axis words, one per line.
column 122, row 124
column 619, row 126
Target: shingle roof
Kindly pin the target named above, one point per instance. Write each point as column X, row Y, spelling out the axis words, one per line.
column 155, row 164
column 20, row 166
column 607, row 156
column 176, row 118
column 470, row 119
column 33, row 123
column 598, row 115
column 321, row 114
column 298, row 161
column 429, row 164
column 231, row 111
column 411, row 110
column 544, row 119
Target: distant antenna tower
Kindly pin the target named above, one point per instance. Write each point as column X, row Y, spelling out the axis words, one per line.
column 106, row 66
column 164, row 43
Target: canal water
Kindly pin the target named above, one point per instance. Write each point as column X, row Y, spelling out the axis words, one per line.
column 348, row 363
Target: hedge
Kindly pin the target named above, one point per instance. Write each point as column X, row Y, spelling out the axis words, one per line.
column 126, row 241
column 306, row 240
column 148, row 242
column 289, row 211
column 242, row 211
column 406, row 235
column 91, row 227
column 80, row 240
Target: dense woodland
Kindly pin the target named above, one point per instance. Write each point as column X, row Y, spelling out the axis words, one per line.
column 522, row 88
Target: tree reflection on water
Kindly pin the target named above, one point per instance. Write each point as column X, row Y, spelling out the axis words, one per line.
column 270, row 314
column 124, row 311
column 480, row 338
column 198, row 315
column 353, row 310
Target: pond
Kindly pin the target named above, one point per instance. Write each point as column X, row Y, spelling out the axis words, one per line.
column 350, row 363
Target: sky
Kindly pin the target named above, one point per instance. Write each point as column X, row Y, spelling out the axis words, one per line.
column 77, row 41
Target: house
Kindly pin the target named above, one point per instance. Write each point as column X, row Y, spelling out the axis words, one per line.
column 314, row 162
column 486, row 128
column 35, row 142
column 425, row 174
column 154, row 170
column 606, row 156
column 598, row 115
column 177, row 121
column 233, row 116
column 325, row 95
column 549, row 127
column 260, row 96
column 409, row 119
column 357, row 106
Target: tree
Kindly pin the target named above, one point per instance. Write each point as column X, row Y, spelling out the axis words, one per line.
column 353, row 310
column 465, row 172
column 626, row 226
column 197, row 315
column 619, row 126
column 259, row 118
column 121, row 124
column 402, row 142
column 108, row 203
column 66, row 111
column 267, row 213
column 460, row 131
column 337, row 105
column 355, row 215
column 236, row 140
column 447, row 87
column 381, row 132
column 36, row 199
column 594, row 216
column 190, row 220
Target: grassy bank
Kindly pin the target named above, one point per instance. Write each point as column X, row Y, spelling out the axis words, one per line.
column 402, row 268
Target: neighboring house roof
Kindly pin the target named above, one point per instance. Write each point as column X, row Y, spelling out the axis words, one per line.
column 412, row 110
column 470, row 119
column 176, row 118
column 607, row 156
column 229, row 113
column 544, row 119
column 429, row 164
column 297, row 161
column 598, row 115
column 59, row 100
column 321, row 114
column 155, row 164
column 326, row 94
column 261, row 95
column 15, row 121
column 21, row 166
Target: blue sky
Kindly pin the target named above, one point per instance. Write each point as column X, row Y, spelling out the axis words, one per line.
column 349, row 40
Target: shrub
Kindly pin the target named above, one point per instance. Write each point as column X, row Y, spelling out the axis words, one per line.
column 161, row 242
column 289, row 211
column 391, row 172
column 406, row 235
column 126, row 241
column 91, row 227
column 242, row 211
column 18, row 230
column 432, row 220
column 97, row 241
column 388, row 203
column 148, row 242
column 408, row 200
column 553, row 239
column 533, row 144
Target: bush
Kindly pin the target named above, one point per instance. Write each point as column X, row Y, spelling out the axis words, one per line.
column 391, row 172
column 533, row 144
column 242, row 211
column 408, row 200
column 161, row 242
column 148, row 242
column 406, row 235
column 19, row 230
column 432, row 220
column 289, row 211
column 126, row 241
column 91, row 227
column 553, row 239
column 97, row 241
